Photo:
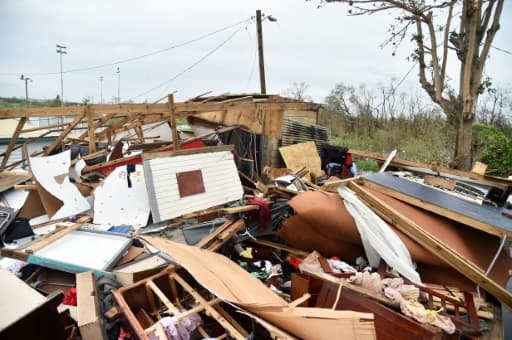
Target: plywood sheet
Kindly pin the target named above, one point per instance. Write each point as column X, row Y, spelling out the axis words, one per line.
column 262, row 121
column 117, row 203
column 485, row 217
column 220, row 179
column 303, row 154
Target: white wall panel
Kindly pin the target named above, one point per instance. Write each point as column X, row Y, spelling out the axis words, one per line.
column 220, row 179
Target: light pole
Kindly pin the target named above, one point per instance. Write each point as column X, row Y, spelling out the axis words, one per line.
column 26, row 79
column 101, row 89
column 118, row 85
column 61, row 50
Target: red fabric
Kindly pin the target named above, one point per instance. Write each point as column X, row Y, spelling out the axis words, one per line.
column 264, row 212
column 295, row 262
column 70, row 298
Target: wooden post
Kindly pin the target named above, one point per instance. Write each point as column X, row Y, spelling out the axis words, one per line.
column 172, row 122
column 260, row 52
column 90, row 130
column 12, row 142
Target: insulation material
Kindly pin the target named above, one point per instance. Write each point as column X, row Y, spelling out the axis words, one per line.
column 216, row 272
column 379, row 240
column 167, row 177
column 122, row 199
column 51, row 173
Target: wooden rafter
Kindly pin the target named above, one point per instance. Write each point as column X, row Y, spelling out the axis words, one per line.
column 64, row 133
column 12, row 142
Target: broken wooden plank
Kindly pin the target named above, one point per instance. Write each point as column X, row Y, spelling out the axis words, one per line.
column 59, row 234
column 64, row 133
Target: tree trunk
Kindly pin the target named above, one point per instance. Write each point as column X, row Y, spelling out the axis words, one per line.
column 462, row 158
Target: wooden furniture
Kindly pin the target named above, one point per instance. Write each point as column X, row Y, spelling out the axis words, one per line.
column 169, row 293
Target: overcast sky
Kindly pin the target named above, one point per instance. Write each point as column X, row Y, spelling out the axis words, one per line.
column 320, row 47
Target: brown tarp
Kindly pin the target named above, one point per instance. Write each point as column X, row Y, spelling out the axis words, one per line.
column 230, row 282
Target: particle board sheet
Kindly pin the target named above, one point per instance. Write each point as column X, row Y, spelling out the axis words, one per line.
column 485, row 217
column 220, row 180
column 303, row 154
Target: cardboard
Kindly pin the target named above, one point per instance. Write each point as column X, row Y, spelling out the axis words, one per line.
column 90, row 322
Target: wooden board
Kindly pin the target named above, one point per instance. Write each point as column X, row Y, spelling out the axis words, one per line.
column 304, row 154
column 8, row 179
column 485, row 217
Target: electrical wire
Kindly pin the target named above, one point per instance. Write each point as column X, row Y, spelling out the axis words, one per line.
column 122, row 61
column 209, row 53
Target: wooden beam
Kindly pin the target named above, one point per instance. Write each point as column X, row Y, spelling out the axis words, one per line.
column 435, row 246
column 51, row 126
column 489, row 180
column 97, row 124
column 64, row 133
column 181, row 109
column 50, row 238
column 12, row 142
column 172, row 122
column 90, row 130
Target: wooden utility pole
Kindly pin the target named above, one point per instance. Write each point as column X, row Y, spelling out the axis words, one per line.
column 260, row 52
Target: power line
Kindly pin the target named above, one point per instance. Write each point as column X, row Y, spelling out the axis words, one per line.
column 168, row 81
column 502, row 50
column 122, row 61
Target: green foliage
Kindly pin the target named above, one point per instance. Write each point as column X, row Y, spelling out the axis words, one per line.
column 367, row 165
column 492, row 147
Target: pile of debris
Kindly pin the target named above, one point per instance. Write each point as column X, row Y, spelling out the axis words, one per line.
column 137, row 228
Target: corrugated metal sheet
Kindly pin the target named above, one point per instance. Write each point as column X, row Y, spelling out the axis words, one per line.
column 220, row 178
column 296, row 132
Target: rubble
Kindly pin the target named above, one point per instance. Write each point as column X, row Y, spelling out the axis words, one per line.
column 129, row 228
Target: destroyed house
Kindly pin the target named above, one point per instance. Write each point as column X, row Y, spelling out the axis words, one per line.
column 232, row 216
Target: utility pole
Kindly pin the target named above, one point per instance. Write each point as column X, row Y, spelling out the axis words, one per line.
column 101, row 89
column 61, row 50
column 260, row 52
column 26, row 79
column 118, row 85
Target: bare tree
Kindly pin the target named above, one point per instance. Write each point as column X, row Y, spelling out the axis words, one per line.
column 298, row 91
column 477, row 22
